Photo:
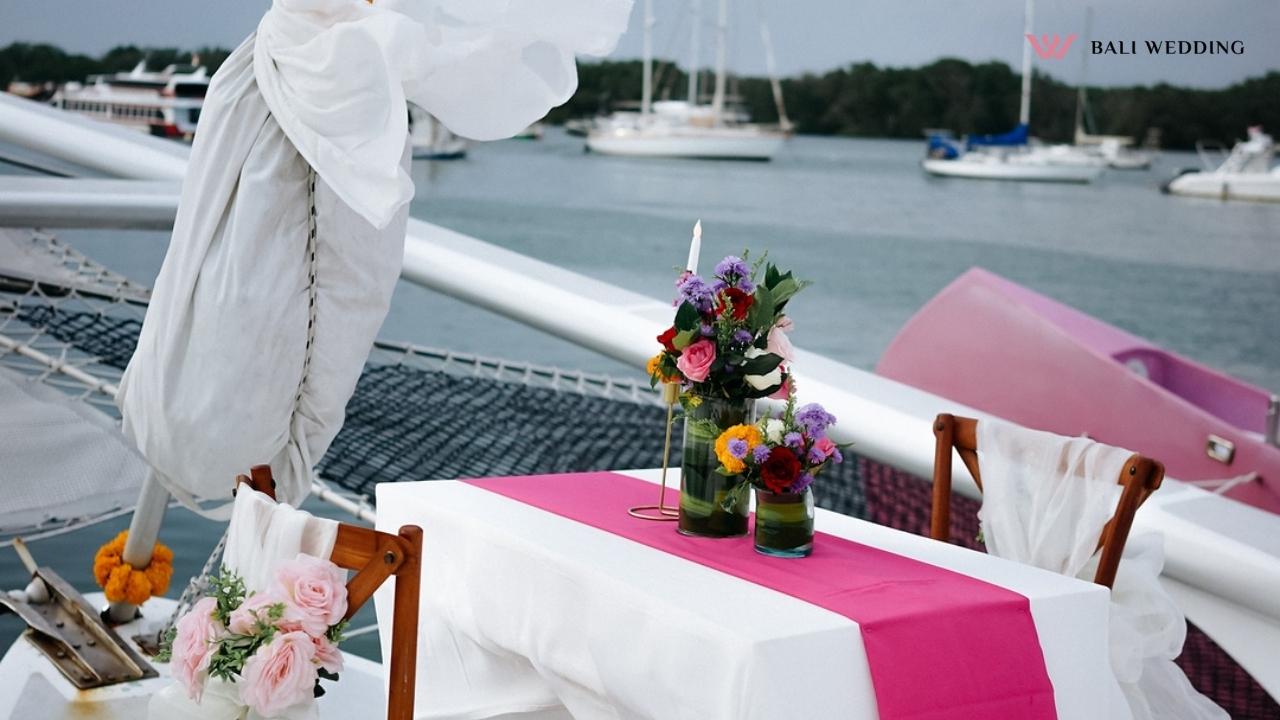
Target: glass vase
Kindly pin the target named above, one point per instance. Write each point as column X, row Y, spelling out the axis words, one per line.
column 703, row 490
column 784, row 523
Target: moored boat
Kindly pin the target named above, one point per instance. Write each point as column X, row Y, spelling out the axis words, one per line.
column 1245, row 174
column 994, row 345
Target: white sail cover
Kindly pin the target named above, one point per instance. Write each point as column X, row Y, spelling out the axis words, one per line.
column 265, row 309
column 1045, row 501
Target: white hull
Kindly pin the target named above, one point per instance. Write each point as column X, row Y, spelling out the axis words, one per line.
column 1259, row 187
column 709, row 143
column 995, row 168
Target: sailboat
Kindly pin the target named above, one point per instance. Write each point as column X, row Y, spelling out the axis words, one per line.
column 1116, row 150
column 685, row 129
column 1010, row 156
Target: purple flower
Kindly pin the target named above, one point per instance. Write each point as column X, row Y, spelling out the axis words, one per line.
column 694, row 291
column 814, row 419
column 801, row 483
column 743, row 337
column 793, row 440
column 732, row 268
column 707, row 330
column 746, row 286
column 738, row 448
column 816, row 456
column 760, row 453
column 718, row 286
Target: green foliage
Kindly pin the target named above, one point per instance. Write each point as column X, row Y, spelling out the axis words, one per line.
column 865, row 100
column 38, row 62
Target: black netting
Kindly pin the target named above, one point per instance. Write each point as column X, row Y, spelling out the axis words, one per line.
column 111, row 339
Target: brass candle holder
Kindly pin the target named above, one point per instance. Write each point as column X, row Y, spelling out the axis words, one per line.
column 661, row 512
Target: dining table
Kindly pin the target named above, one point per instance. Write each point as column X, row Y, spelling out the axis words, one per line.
column 541, row 594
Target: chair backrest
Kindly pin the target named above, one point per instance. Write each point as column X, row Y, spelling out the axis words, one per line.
column 376, row 556
column 1140, row 477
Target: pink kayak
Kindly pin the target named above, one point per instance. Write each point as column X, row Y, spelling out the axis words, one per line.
column 996, row 346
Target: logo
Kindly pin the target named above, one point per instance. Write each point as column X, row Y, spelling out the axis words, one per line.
column 1051, row 48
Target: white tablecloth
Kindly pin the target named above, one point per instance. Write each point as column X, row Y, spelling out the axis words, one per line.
column 524, row 610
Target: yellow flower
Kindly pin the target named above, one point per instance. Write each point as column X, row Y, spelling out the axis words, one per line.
column 655, row 369
column 749, row 433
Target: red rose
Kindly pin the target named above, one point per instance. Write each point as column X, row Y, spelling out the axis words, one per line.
column 668, row 339
column 780, row 469
column 740, row 300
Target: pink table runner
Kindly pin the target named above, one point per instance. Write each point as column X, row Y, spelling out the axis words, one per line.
column 939, row 644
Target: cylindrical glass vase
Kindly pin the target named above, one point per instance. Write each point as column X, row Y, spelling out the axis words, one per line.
column 703, row 490
column 784, row 523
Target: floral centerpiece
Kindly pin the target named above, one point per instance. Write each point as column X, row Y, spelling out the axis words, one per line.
column 780, row 457
column 268, row 650
column 727, row 347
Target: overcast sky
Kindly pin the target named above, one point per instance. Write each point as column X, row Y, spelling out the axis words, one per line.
column 808, row 35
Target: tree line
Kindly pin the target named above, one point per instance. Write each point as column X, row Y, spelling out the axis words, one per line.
column 861, row 99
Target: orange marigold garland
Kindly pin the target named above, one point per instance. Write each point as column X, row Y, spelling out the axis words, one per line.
column 121, row 582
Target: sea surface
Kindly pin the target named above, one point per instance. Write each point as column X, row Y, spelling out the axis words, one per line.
column 857, row 217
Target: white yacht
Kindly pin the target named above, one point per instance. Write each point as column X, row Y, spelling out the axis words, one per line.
column 1247, row 173
column 165, row 103
column 686, row 129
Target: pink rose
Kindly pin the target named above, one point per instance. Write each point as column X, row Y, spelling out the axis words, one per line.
column 824, row 446
column 695, row 361
column 316, row 589
column 327, row 655
column 778, row 342
column 256, row 608
column 280, row 674
column 193, row 645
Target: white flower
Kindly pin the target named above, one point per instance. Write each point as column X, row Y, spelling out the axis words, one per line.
column 766, row 381
column 773, row 428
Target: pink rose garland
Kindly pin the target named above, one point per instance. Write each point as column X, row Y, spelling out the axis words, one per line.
column 280, row 674
column 193, row 645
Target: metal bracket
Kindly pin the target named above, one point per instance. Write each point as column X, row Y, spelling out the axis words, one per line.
column 69, row 632
column 1220, row 449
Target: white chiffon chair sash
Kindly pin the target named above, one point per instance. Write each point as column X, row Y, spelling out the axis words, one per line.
column 1045, row 501
column 264, row 533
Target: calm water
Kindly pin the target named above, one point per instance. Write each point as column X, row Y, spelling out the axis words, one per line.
column 857, row 217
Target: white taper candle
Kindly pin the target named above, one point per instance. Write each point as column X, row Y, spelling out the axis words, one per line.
column 695, row 248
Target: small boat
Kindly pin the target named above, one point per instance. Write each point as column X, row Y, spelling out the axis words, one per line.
column 165, row 103
column 431, row 139
column 1245, row 174
column 994, row 345
column 533, row 132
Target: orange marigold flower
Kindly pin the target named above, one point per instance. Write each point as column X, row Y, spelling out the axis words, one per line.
column 121, row 582
column 749, row 433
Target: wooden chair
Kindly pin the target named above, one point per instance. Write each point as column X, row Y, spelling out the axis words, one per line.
column 376, row 556
column 1140, row 477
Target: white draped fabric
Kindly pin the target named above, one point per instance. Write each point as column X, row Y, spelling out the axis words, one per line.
column 261, row 535
column 1045, row 501
column 264, row 311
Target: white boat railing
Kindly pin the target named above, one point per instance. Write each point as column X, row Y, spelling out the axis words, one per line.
column 886, row 421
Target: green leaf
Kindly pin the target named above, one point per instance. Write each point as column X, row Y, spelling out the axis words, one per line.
column 688, row 317
column 785, row 289
column 762, row 310
column 684, row 338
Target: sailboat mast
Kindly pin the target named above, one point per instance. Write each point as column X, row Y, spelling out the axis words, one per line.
column 783, row 121
column 694, row 34
column 1084, row 68
column 722, row 54
column 1024, row 110
column 646, row 82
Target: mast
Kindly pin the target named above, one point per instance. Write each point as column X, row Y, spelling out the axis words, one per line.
column 771, row 65
column 1084, row 67
column 694, row 33
column 646, row 82
column 722, row 53
column 1024, row 110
